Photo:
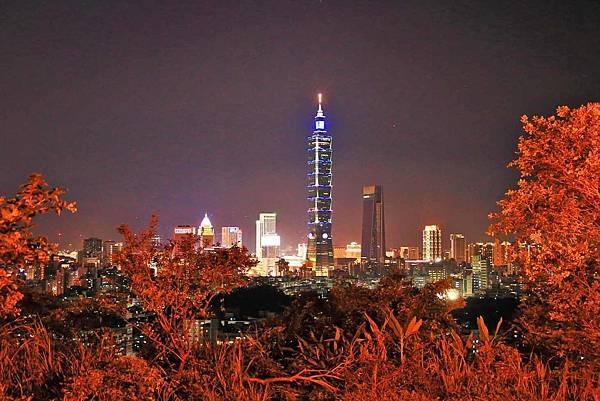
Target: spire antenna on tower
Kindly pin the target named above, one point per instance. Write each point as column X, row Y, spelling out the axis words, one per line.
column 320, row 110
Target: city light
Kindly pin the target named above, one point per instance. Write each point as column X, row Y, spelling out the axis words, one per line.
column 452, row 294
column 167, row 229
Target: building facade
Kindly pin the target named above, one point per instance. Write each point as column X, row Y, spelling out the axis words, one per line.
column 373, row 225
column 320, row 245
column 92, row 248
column 483, row 249
column 410, row 252
column 231, row 236
column 206, row 232
column 182, row 231
column 481, row 270
column 457, row 247
column 500, row 254
column 268, row 244
column 432, row 243
column 109, row 252
column 353, row 250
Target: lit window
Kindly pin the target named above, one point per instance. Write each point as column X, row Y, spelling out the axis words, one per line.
column 320, row 124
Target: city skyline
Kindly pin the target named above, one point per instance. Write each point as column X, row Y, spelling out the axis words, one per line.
column 209, row 113
column 376, row 193
column 273, row 200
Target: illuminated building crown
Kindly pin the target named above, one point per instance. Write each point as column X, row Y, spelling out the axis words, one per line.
column 205, row 222
column 320, row 117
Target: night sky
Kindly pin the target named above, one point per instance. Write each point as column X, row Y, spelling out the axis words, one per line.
column 185, row 109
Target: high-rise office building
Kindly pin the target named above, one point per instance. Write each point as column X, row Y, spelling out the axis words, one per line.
column 320, row 245
column 91, row 259
column 92, row 248
column 231, row 236
column 109, row 251
column 373, row 225
column 483, row 249
column 481, row 271
column 432, row 242
column 457, row 247
column 181, row 233
column 487, row 251
column 500, row 253
column 206, row 232
column 467, row 289
column 473, row 249
column 267, row 243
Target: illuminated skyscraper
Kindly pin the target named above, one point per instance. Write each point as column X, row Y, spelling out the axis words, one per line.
column 109, row 251
column 266, row 226
column 206, row 232
column 373, row 225
column 432, row 243
column 320, row 245
column 483, row 249
column 457, row 247
column 267, row 243
column 481, row 271
column 231, row 236
column 92, row 248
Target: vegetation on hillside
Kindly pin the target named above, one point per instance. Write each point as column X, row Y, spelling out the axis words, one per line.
column 391, row 343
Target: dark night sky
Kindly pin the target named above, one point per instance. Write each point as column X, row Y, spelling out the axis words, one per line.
column 139, row 108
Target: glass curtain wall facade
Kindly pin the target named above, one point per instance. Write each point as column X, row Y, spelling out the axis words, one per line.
column 320, row 245
column 373, row 225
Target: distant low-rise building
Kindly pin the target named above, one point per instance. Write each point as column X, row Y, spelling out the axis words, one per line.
column 410, row 252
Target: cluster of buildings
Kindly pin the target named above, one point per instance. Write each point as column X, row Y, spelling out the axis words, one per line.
column 230, row 236
column 479, row 269
column 89, row 268
column 473, row 269
column 478, row 265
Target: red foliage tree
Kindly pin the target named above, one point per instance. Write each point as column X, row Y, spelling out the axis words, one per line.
column 178, row 284
column 19, row 247
column 122, row 378
column 554, row 215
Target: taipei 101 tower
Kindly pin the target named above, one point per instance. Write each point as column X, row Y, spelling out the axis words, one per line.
column 320, row 245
